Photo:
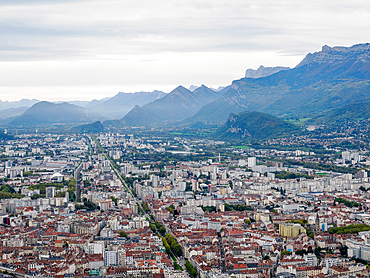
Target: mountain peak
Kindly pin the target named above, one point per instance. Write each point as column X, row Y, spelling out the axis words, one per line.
column 325, row 48
column 360, row 52
column 263, row 71
column 180, row 87
column 46, row 113
column 193, row 87
column 178, row 105
column 120, row 104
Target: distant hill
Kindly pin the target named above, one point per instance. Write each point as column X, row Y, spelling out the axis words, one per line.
column 17, row 104
column 12, row 112
column 44, row 113
column 177, row 105
column 95, row 102
column 119, row 105
column 81, row 103
column 95, row 127
column 323, row 81
column 254, row 125
column 263, row 72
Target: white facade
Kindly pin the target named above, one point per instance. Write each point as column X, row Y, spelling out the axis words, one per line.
column 110, row 258
column 95, row 248
column 252, row 161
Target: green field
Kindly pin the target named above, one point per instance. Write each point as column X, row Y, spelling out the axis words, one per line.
column 300, row 121
column 243, row 147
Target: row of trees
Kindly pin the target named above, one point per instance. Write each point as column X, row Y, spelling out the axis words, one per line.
column 158, row 227
column 169, row 243
column 145, row 207
column 71, row 189
column 209, row 208
column 175, row 247
column 7, row 192
column 190, row 269
column 42, row 186
column 323, row 167
column 237, row 207
column 350, row 229
column 140, row 209
column 347, row 203
column 289, row 175
column 227, row 208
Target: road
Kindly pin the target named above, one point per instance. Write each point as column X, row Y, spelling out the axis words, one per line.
column 223, row 268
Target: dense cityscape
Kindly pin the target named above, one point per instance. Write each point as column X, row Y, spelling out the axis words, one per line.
column 184, row 139
column 124, row 205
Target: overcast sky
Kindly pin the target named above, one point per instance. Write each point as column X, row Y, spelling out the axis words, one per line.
column 81, row 50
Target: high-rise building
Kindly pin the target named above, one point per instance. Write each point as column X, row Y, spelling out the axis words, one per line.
column 50, row 192
column 154, row 180
column 95, row 248
column 194, row 185
column 252, row 161
column 110, row 258
column 291, row 229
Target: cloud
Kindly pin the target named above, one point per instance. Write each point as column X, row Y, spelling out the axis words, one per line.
column 99, row 27
column 147, row 32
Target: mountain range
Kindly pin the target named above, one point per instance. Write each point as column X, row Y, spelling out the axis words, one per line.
column 107, row 108
column 119, row 105
column 323, row 81
column 321, row 87
column 176, row 106
column 17, row 104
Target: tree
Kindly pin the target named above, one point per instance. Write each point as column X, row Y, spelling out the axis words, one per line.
column 65, row 244
column 344, row 251
column 123, row 234
column 162, row 230
column 231, row 184
column 190, row 269
column 115, row 200
column 286, row 252
column 177, row 249
column 301, row 252
column 145, row 206
column 310, row 233
column 152, row 227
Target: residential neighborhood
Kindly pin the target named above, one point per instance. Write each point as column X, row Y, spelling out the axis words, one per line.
column 93, row 205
